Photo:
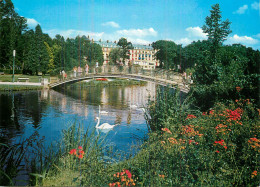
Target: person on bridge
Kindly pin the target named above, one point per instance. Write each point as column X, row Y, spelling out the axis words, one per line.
column 75, row 71
column 79, row 71
column 63, row 74
column 96, row 67
column 86, row 69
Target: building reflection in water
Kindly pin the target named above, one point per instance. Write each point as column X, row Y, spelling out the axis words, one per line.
column 115, row 100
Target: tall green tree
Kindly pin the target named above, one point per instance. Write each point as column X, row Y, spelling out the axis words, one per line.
column 12, row 27
column 126, row 46
column 51, row 66
column 216, row 30
column 194, row 53
column 210, row 69
column 41, row 51
column 115, row 55
column 168, row 53
column 95, row 54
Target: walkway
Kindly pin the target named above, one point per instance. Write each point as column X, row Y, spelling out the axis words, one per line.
column 21, row 83
column 162, row 77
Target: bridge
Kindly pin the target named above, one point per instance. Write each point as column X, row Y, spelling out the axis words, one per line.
column 158, row 76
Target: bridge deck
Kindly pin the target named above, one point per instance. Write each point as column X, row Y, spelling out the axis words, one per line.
column 184, row 88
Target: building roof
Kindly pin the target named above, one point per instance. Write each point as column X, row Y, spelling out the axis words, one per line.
column 114, row 45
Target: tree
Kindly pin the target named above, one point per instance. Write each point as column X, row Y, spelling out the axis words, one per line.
column 41, row 51
column 115, row 55
column 95, row 54
column 168, row 53
column 51, row 66
column 194, row 53
column 216, row 30
column 210, row 69
column 12, row 27
column 125, row 46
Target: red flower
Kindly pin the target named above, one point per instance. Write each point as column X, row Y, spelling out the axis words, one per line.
column 166, row 130
column 225, row 147
column 254, row 139
column 81, row 152
column 190, row 141
column 238, row 89
column 128, row 173
column 254, row 173
column 234, row 115
column 80, row 156
column 112, row 184
column 204, row 113
column 190, row 116
column 80, row 148
column 73, row 152
column 217, row 151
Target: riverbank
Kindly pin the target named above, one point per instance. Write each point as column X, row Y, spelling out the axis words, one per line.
column 30, row 82
column 9, row 86
column 216, row 148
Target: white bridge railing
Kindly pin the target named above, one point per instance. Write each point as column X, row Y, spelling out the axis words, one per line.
column 155, row 75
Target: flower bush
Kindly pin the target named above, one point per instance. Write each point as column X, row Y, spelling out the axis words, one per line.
column 219, row 147
column 124, row 178
column 78, row 153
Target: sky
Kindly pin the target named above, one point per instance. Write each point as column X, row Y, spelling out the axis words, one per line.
column 142, row 21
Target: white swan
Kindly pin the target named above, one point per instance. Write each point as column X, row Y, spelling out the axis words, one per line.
column 104, row 125
column 102, row 112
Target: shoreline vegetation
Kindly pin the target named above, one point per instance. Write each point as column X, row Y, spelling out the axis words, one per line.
column 211, row 138
column 217, row 147
column 32, row 79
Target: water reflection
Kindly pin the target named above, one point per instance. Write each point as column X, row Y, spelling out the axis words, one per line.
column 48, row 112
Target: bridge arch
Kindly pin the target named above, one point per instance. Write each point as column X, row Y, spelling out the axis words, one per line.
column 160, row 81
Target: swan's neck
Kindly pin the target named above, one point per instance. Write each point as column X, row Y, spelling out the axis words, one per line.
column 98, row 122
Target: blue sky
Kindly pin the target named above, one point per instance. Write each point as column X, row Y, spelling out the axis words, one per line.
column 142, row 21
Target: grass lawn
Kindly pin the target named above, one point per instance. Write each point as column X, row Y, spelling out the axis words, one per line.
column 19, row 87
column 32, row 78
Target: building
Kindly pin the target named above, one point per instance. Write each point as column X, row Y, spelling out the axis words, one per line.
column 142, row 55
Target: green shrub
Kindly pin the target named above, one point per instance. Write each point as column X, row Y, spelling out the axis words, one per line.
column 168, row 107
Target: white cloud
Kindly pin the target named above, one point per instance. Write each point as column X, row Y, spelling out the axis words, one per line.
column 241, row 10
column 73, row 33
column 258, row 35
column 111, row 24
column 246, row 40
column 32, row 23
column 196, row 32
column 255, row 5
column 183, row 41
column 114, row 36
column 137, row 32
column 138, row 41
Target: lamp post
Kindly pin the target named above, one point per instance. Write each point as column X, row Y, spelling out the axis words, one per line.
column 13, row 63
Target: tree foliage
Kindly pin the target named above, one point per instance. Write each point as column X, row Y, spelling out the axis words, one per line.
column 216, row 30
column 125, row 45
column 168, row 53
column 115, row 55
column 37, row 51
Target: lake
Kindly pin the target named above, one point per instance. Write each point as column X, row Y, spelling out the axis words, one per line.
column 48, row 112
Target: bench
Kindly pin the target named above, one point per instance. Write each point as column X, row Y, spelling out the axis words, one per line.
column 23, row 79
column 2, row 73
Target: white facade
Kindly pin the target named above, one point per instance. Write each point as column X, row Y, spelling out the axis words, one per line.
column 141, row 55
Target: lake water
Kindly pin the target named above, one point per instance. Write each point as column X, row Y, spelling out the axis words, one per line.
column 48, row 112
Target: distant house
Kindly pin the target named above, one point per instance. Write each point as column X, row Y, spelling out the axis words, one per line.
column 142, row 55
